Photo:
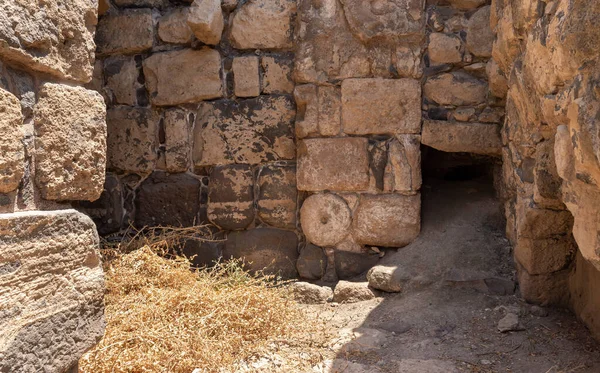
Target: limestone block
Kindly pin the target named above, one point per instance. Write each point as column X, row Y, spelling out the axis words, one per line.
column 132, row 138
column 325, row 219
column 277, row 196
column 467, row 4
column 54, row 37
column 480, row 36
column 198, row 76
column 547, row 183
column 263, row 24
column 273, row 251
column 111, row 38
column 276, row 77
column 319, row 110
column 545, row 255
column 330, row 108
column 468, row 137
column 173, row 27
column 381, row 106
column 312, row 262
column 545, row 289
column 507, row 47
column 391, row 220
column 178, row 124
column 444, row 48
column 458, row 89
column 407, row 61
column 231, row 197
column 168, row 200
column 352, row 292
column 246, row 131
column 70, row 146
column 307, row 293
column 12, row 154
column 246, row 81
column 121, row 74
column 403, row 166
column 537, row 223
column 333, row 164
column 107, row 211
column 385, row 278
column 206, row 20
column 584, row 297
column 384, row 21
column 52, row 290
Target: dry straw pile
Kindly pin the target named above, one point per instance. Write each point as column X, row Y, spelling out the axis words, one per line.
column 163, row 317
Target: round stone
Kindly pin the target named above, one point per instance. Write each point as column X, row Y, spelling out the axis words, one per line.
column 325, row 219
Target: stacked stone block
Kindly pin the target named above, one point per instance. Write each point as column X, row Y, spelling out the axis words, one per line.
column 52, row 153
column 201, row 124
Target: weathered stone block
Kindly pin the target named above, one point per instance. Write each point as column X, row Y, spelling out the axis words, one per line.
column 231, row 197
column 403, row 168
column 319, row 110
column 277, row 198
column 330, row 108
column 391, row 220
column 121, row 74
column 381, row 106
column 173, row 27
column 312, row 262
column 245, row 131
column 546, row 289
column 547, row 183
column 444, row 48
column 468, row 137
column 276, row 76
column 458, row 89
column 168, row 200
column 139, row 37
column 496, row 79
column 545, row 255
column 132, row 138
column 352, row 292
column 70, row 146
column 263, row 24
column 538, row 223
column 52, row 290
column 198, row 76
column 325, row 219
column 206, row 20
column 106, row 211
column 334, row 164
column 246, row 81
column 178, row 125
column 273, row 251
column 480, row 36
column 12, row 154
column 55, row 37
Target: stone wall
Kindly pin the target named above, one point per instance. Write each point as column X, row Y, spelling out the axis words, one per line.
column 52, row 152
column 296, row 121
column 548, row 52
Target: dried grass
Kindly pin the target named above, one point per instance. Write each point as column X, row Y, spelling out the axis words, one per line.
column 163, row 317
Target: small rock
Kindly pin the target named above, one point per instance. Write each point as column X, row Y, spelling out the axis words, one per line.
column 509, row 323
column 383, row 278
column 352, row 292
column 308, row 293
column 485, row 362
column 539, row 311
column 206, row 20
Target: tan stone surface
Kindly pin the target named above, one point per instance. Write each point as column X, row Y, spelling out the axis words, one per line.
column 403, row 168
column 173, row 27
column 111, row 38
column 246, row 81
column 53, row 290
column 177, row 139
column 352, row 292
column 276, row 76
column 390, row 220
column 132, row 138
column 205, row 18
column 545, row 255
column 198, row 76
column 70, row 146
column 478, row 138
column 263, row 24
column 248, row 131
column 381, row 106
column 325, row 219
column 335, row 164
column 277, row 196
column 319, row 110
column 480, row 36
column 53, row 36
column 456, row 89
column 444, row 48
column 12, row 154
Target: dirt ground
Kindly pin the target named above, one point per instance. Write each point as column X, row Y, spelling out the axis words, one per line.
column 446, row 318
